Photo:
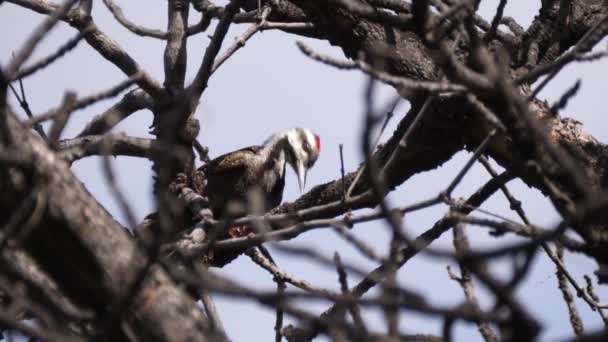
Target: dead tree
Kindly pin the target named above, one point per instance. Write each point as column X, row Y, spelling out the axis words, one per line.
column 472, row 84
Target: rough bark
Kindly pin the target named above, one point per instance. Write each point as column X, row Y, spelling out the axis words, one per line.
column 87, row 253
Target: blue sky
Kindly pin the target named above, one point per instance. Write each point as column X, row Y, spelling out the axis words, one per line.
column 269, row 85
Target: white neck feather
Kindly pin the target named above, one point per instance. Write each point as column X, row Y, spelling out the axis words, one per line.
column 275, row 144
column 274, row 148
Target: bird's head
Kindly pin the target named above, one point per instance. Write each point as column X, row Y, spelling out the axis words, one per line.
column 301, row 151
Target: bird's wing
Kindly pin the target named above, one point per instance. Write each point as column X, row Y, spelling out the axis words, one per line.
column 226, row 177
column 230, row 162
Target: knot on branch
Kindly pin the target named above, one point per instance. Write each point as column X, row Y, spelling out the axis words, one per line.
column 205, row 6
column 178, row 5
column 189, row 131
column 295, row 334
column 80, row 20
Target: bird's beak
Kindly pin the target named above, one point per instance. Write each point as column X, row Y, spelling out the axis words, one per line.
column 301, row 171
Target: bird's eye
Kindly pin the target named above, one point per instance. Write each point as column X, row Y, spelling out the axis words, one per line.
column 306, row 147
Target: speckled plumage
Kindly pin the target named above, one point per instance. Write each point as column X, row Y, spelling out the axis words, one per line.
column 234, row 177
column 231, row 176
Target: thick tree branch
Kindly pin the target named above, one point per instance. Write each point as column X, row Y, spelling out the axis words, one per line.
column 130, row 103
column 103, row 258
column 175, row 51
column 118, row 144
column 410, row 58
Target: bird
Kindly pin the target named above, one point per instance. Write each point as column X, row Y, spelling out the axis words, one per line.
column 258, row 172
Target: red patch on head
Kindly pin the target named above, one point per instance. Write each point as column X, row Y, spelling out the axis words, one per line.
column 318, row 143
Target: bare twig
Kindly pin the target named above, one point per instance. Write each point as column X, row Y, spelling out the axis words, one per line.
column 86, row 101
column 359, row 244
column 461, row 245
column 591, row 292
column 420, row 243
column 478, row 151
column 575, row 319
column 28, row 47
column 61, row 51
column 516, row 206
column 563, row 100
column 352, row 185
column 129, row 25
column 110, row 178
column 61, row 116
column 396, row 81
column 129, row 104
column 101, row 42
column 290, row 231
column 352, row 308
column 199, row 84
column 577, row 52
column 282, row 276
column 278, row 326
column 240, row 42
column 495, row 21
column 340, row 147
column 213, row 315
column 26, row 107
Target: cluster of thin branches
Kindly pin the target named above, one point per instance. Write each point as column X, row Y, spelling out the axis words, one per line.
column 486, row 70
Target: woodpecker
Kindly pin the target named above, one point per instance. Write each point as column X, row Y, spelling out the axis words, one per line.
column 233, row 177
